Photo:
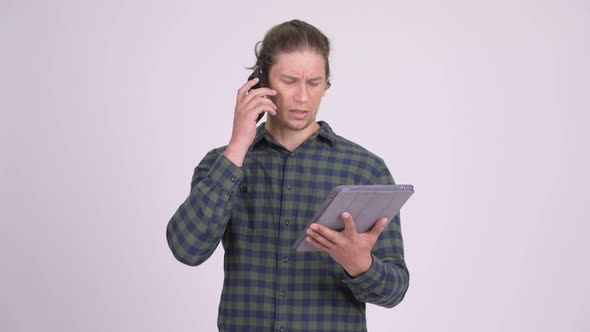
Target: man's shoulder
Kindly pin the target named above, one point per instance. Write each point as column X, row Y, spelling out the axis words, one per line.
column 215, row 152
column 366, row 166
column 211, row 157
column 355, row 150
column 218, row 150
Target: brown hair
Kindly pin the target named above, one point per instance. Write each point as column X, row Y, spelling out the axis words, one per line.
column 287, row 37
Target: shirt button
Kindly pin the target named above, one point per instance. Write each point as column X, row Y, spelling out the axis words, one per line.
column 283, row 293
column 234, row 179
column 285, row 259
column 290, row 187
column 292, row 156
column 287, row 222
column 282, row 329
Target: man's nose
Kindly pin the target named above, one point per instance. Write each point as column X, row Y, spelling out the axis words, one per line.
column 302, row 94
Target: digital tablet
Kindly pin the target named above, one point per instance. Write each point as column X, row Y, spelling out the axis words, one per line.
column 366, row 204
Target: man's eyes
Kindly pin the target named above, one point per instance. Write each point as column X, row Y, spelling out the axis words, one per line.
column 314, row 84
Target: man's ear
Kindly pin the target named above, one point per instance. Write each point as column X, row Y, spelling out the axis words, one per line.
column 328, row 85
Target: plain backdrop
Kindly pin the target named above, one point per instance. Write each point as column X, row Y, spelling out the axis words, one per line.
column 107, row 107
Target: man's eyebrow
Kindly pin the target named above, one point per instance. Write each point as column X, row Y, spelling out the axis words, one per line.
column 286, row 76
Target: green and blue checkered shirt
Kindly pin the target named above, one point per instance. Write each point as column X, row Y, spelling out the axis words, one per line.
column 258, row 211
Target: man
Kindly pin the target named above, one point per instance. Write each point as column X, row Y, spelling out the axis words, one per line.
column 258, row 193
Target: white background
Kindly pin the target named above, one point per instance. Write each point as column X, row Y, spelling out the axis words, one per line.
column 107, row 106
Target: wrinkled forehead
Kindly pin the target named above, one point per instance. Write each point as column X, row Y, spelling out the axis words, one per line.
column 306, row 63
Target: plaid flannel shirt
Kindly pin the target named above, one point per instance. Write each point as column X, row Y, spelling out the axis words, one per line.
column 258, row 211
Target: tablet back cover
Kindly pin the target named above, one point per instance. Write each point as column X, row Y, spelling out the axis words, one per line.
column 366, row 204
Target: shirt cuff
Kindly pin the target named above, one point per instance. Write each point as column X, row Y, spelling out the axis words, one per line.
column 226, row 174
column 371, row 279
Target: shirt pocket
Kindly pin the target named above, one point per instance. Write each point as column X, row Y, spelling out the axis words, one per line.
column 252, row 209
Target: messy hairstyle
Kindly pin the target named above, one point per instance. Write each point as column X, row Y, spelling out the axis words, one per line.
column 288, row 37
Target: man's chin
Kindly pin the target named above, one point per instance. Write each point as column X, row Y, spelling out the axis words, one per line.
column 300, row 125
column 294, row 125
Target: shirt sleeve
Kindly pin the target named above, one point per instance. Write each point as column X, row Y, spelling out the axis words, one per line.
column 195, row 229
column 387, row 280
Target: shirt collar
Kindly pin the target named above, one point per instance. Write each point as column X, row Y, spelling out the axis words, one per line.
column 325, row 132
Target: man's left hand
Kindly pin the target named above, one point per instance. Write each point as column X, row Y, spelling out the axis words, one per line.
column 349, row 248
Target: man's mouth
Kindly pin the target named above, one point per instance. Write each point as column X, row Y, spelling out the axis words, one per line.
column 298, row 114
column 298, row 111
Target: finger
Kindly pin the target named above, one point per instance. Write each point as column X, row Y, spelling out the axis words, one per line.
column 262, row 102
column 256, row 96
column 243, row 90
column 260, row 113
column 260, row 92
column 321, row 235
column 349, row 225
column 319, row 240
column 262, row 105
column 314, row 243
column 326, row 232
column 379, row 227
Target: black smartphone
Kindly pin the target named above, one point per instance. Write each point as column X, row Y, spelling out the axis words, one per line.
column 257, row 73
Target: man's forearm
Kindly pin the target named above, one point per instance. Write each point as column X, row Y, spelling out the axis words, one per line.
column 387, row 280
column 195, row 230
column 198, row 225
column 384, row 284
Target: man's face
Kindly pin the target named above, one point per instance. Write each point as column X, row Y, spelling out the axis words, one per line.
column 300, row 81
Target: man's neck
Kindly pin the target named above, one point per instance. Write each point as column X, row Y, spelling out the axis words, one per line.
column 291, row 138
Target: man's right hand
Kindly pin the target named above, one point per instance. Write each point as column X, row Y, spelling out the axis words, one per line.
column 249, row 103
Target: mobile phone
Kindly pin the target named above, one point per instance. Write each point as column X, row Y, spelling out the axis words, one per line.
column 257, row 73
